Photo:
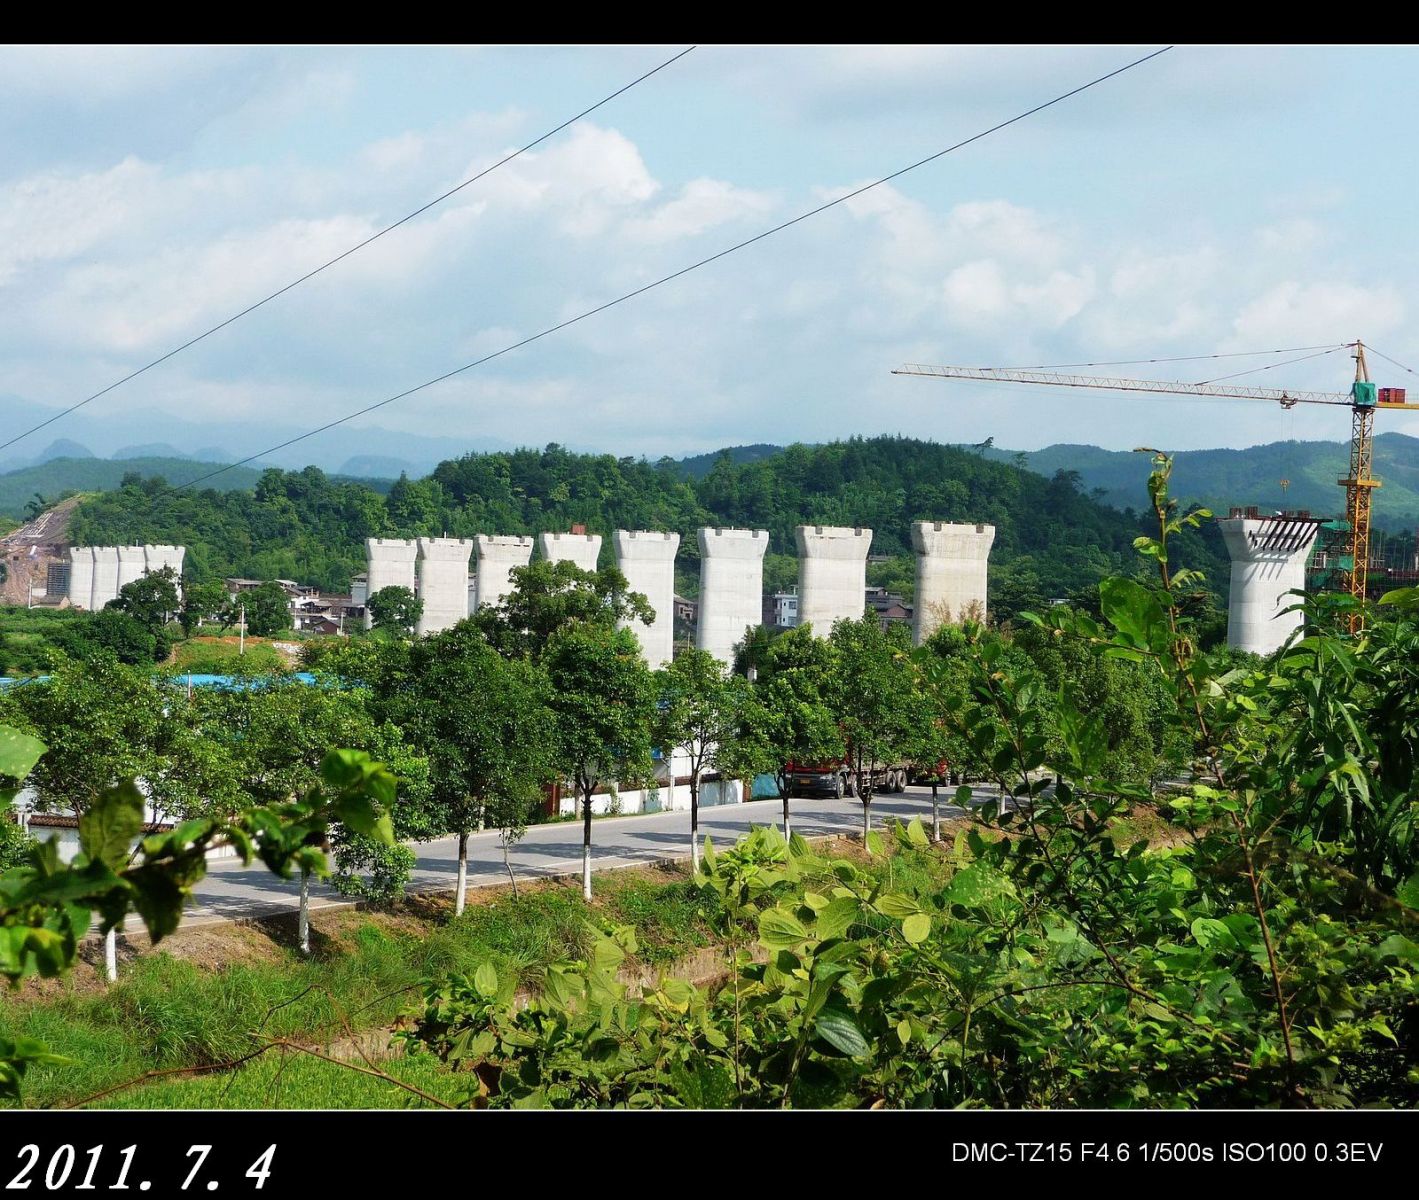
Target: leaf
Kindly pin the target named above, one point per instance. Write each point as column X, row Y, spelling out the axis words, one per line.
column 837, row 918
column 1209, row 933
column 1408, row 892
column 108, row 829
column 916, row 928
column 779, row 930
column 916, row 834
column 897, row 906
column 1134, row 612
column 840, row 1031
column 18, row 752
column 485, row 979
column 874, row 843
column 979, row 886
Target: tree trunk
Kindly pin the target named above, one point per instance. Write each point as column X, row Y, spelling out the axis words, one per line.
column 787, row 833
column 586, row 844
column 303, row 925
column 935, row 815
column 866, row 816
column 110, row 954
column 462, row 898
column 695, row 819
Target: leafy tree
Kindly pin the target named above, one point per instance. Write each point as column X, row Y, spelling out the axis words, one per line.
column 206, row 601
column 789, row 718
column 274, row 732
column 268, row 609
column 869, row 694
column 701, row 712
column 396, row 608
column 603, row 702
column 549, row 596
column 110, row 632
column 484, row 724
column 150, row 600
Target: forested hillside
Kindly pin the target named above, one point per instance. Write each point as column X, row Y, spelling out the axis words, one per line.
column 1052, row 539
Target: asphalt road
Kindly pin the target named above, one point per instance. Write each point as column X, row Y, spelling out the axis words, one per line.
column 231, row 890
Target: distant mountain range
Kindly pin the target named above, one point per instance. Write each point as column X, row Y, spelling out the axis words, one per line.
column 152, row 434
column 1222, row 478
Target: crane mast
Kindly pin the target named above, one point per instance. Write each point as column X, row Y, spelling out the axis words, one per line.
column 1363, row 400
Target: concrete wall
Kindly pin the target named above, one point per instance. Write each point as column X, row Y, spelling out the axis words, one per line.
column 389, row 563
column 579, row 548
column 497, row 556
column 105, row 576
column 731, row 588
column 443, row 582
column 951, row 573
column 81, row 576
column 159, row 557
column 832, row 575
column 647, row 560
column 132, row 564
column 1268, row 561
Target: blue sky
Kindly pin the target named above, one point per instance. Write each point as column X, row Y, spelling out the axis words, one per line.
column 1218, row 199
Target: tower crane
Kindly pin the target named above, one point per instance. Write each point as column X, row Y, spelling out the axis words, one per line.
column 1363, row 399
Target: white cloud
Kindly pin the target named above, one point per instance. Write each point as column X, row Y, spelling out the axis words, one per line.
column 1292, row 313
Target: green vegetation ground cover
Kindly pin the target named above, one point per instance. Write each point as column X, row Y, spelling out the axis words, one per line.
column 168, row 1011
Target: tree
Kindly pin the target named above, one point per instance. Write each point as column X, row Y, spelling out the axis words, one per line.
column 869, row 693
column 789, row 719
column 484, row 724
column 701, row 712
column 205, row 602
column 396, row 608
column 549, row 596
column 268, row 609
column 150, row 599
column 113, row 632
column 603, row 702
column 102, row 723
column 275, row 731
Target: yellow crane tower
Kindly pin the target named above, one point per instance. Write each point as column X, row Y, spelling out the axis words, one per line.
column 1363, row 399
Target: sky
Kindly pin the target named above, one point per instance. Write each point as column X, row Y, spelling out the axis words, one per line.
column 1214, row 200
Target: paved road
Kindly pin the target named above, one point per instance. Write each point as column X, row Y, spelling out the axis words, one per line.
column 231, row 890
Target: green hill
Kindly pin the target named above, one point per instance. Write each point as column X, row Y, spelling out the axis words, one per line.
column 1222, row 478
column 1052, row 539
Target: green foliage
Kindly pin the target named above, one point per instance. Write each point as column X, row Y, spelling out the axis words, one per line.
column 267, row 608
column 396, row 608
column 150, row 600
column 1262, row 955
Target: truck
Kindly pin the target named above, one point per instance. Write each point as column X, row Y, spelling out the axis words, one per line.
column 835, row 777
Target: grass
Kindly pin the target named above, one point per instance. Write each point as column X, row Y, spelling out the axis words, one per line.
column 168, row 1012
column 217, row 656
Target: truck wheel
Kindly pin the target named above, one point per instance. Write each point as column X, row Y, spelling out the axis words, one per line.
column 849, row 785
column 838, row 790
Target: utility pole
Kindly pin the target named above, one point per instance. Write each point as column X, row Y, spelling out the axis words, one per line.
column 241, row 639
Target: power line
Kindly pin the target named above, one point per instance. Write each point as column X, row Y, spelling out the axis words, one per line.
column 346, row 254
column 664, row 279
